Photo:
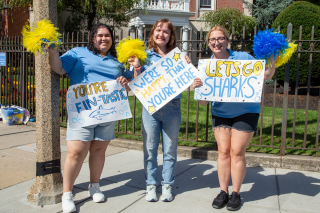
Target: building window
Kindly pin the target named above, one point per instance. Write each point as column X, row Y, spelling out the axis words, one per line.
column 154, row 2
column 205, row 4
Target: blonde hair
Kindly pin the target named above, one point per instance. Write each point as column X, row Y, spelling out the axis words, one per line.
column 220, row 28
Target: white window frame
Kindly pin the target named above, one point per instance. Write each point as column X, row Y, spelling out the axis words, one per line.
column 207, row 8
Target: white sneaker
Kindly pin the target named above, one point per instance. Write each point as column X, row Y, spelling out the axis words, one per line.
column 151, row 194
column 166, row 193
column 95, row 192
column 67, row 202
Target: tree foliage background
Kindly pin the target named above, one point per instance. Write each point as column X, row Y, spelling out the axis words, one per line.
column 303, row 14
column 228, row 18
column 85, row 13
column 266, row 11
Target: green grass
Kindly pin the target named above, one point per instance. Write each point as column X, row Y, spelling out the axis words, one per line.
column 266, row 128
column 209, row 143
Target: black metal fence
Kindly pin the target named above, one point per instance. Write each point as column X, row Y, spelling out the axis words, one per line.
column 289, row 121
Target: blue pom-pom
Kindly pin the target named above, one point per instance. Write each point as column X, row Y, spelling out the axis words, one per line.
column 268, row 42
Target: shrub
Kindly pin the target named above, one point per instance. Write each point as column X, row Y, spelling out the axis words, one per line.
column 228, row 18
column 305, row 14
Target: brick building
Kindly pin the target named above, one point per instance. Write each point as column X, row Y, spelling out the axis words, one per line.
column 12, row 21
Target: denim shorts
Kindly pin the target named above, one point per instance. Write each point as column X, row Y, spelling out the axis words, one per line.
column 246, row 122
column 101, row 132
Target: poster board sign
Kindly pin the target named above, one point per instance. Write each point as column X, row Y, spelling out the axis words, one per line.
column 95, row 103
column 3, row 59
column 230, row 80
column 163, row 81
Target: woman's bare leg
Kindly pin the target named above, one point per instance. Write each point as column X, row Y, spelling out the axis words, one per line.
column 240, row 140
column 96, row 159
column 77, row 152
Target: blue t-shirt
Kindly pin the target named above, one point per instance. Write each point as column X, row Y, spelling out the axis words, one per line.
column 153, row 57
column 82, row 66
column 232, row 109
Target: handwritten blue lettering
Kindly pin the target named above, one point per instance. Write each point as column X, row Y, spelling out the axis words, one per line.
column 253, row 92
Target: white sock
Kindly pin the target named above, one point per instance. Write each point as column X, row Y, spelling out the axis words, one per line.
column 95, row 185
column 67, row 193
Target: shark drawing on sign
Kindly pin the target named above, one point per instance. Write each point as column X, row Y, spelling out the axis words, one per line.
column 99, row 113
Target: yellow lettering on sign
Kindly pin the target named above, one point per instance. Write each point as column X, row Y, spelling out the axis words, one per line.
column 236, row 64
column 104, row 87
column 75, row 92
column 219, row 63
column 83, row 93
column 96, row 87
column 257, row 68
column 87, row 90
column 228, row 63
column 246, row 72
column 145, row 93
column 208, row 70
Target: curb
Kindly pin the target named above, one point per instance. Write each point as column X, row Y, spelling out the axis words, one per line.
column 293, row 162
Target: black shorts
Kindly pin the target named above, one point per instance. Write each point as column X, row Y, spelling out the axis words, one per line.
column 246, row 122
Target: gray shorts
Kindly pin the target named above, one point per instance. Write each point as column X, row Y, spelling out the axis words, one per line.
column 101, row 132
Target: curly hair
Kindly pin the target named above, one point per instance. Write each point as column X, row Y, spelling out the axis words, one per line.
column 172, row 41
column 93, row 34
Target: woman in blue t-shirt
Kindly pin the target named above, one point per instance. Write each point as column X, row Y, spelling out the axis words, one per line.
column 97, row 62
column 166, row 121
column 233, row 124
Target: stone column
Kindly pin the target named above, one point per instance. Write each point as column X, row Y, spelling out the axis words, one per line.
column 185, row 45
column 132, row 32
column 140, row 31
column 47, row 188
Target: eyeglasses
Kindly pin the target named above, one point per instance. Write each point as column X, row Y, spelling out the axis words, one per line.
column 219, row 40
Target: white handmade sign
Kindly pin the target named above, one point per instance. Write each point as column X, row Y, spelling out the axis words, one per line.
column 163, row 81
column 230, row 80
column 95, row 103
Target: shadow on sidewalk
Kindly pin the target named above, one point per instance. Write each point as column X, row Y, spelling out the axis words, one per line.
column 199, row 176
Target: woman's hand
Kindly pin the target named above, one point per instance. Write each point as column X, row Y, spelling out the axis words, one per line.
column 55, row 61
column 187, row 59
column 197, row 82
column 134, row 61
column 122, row 80
column 270, row 70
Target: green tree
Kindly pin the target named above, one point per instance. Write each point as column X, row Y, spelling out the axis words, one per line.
column 316, row 2
column 85, row 13
column 305, row 14
column 266, row 11
column 228, row 18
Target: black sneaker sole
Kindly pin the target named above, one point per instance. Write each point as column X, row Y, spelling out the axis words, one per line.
column 233, row 209
column 217, row 207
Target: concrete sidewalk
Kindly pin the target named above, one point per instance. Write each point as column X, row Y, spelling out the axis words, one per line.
column 122, row 181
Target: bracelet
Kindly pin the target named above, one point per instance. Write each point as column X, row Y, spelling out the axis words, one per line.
column 137, row 68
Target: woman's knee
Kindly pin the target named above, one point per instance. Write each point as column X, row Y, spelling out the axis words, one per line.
column 224, row 154
column 237, row 155
column 99, row 152
column 76, row 155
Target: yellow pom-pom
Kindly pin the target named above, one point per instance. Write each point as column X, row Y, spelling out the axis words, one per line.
column 285, row 55
column 43, row 33
column 128, row 47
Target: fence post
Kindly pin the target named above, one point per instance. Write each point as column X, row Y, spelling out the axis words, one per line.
column 285, row 98
column 23, row 81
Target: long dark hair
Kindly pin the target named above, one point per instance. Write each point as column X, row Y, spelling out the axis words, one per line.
column 171, row 43
column 92, row 36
